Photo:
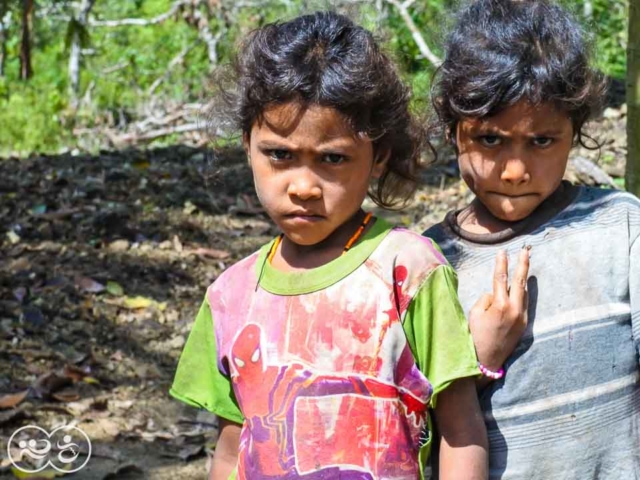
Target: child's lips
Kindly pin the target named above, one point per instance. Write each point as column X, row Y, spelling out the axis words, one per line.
column 513, row 195
column 304, row 216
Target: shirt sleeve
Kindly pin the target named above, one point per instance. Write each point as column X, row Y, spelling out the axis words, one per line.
column 634, row 291
column 438, row 332
column 198, row 381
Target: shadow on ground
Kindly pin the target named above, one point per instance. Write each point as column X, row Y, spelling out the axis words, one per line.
column 105, row 261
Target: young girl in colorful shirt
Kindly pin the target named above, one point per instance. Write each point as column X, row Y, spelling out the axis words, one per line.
column 322, row 352
column 513, row 95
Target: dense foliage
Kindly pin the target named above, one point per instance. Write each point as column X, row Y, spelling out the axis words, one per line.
column 126, row 70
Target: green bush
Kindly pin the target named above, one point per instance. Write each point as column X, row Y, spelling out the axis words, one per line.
column 122, row 63
column 31, row 121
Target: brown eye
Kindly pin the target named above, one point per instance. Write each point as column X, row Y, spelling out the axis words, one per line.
column 542, row 141
column 490, row 140
column 278, row 155
column 334, row 158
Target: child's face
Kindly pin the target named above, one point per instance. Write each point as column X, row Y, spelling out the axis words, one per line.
column 311, row 171
column 514, row 160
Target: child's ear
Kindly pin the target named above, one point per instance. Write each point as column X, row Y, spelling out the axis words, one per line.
column 452, row 137
column 453, row 133
column 380, row 163
column 246, row 144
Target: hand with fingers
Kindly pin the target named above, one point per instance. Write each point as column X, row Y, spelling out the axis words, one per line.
column 498, row 320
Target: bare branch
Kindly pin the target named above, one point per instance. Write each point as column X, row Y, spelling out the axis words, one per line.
column 175, row 61
column 140, row 21
column 77, row 52
column 205, row 33
column 115, row 68
column 425, row 51
column 155, row 134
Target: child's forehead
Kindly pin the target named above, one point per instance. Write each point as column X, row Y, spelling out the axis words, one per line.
column 291, row 118
column 522, row 115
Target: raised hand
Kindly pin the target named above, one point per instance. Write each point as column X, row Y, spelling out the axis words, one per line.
column 498, row 320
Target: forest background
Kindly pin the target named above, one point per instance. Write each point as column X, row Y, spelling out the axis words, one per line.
column 113, row 222
column 136, row 70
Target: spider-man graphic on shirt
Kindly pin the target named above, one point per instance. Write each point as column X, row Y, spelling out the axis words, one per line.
column 303, row 422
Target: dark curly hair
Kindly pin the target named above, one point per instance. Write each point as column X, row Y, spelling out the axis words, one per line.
column 503, row 51
column 326, row 59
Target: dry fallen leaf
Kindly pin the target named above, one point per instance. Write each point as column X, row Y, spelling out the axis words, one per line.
column 65, row 397
column 47, row 474
column 13, row 237
column 76, row 374
column 211, row 253
column 20, row 293
column 12, row 400
column 123, row 471
column 14, row 415
column 114, row 288
column 87, row 284
column 177, row 244
column 187, row 453
column 136, row 303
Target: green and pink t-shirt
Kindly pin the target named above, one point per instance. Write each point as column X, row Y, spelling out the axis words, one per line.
column 331, row 371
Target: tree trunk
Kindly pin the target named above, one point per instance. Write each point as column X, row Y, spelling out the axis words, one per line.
column 202, row 24
column 26, row 70
column 633, row 100
column 75, row 54
column 587, row 10
column 4, row 35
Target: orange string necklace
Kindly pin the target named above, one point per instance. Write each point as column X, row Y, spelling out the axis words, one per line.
column 354, row 238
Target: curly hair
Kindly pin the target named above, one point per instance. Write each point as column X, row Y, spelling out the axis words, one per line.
column 326, row 59
column 503, row 51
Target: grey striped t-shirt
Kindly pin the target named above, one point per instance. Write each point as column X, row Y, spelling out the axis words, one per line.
column 569, row 405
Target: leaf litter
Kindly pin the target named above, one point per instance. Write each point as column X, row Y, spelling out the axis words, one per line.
column 105, row 261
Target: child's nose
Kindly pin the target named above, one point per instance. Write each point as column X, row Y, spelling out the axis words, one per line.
column 304, row 185
column 515, row 171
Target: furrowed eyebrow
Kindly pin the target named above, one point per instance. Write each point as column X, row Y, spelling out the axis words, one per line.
column 336, row 146
column 483, row 130
column 547, row 133
column 489, row 130
column 275, row 145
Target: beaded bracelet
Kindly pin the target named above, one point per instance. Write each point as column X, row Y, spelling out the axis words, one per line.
column 491, row 374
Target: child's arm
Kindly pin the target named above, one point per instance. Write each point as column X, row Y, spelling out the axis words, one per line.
column 497, row 321
column 463, row 447
column 225, row 456
column 634, row 290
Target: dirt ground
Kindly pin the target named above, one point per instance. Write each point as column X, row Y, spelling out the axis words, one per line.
column 104, row 261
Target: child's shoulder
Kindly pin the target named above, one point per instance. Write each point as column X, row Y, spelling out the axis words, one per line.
column 242, row 272
column 436, row 232
column 607, row 198
column 409, row 244
column 416, row 253
column 603, row 206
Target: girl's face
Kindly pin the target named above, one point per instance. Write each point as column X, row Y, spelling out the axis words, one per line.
column 516, row 159
column 310, row 169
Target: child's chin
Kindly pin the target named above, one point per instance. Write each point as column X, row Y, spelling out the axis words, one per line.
column 512, row 216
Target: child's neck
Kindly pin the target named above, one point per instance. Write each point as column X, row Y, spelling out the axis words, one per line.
column 292, row 257
column 477, row 224
column 477, row 219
